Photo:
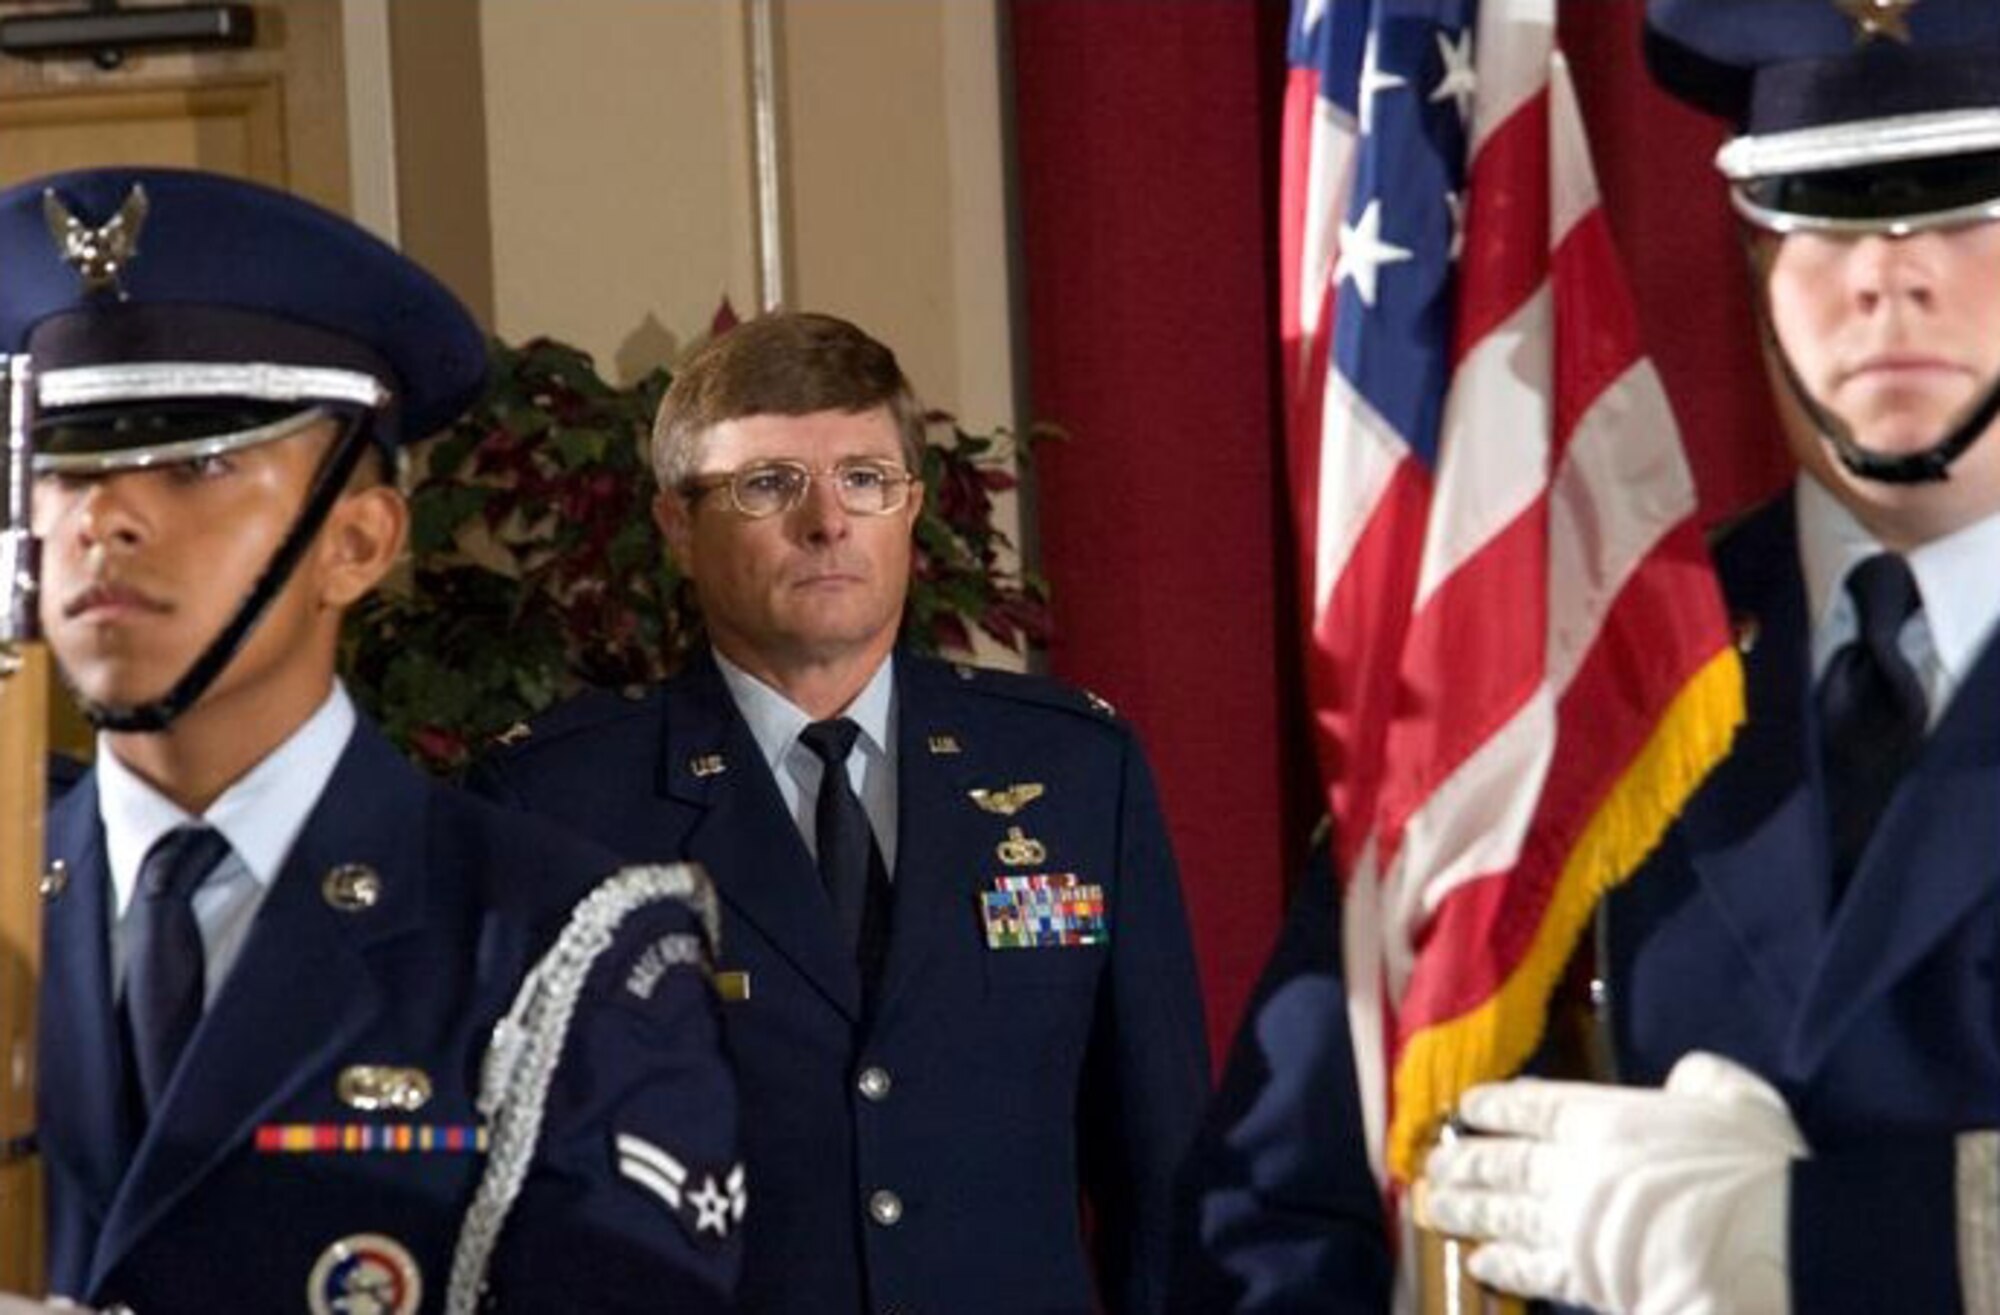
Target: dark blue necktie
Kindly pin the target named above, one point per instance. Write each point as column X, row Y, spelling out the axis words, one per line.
column 165, row 980
column 1872, row 710
column 850, row 863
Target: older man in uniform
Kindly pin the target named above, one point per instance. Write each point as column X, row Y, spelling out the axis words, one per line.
column 1801, row 980
column 957, row 984
column 274, row 955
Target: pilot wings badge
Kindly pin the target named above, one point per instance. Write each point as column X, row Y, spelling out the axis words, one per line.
column 1009, row 801
column 100, row 254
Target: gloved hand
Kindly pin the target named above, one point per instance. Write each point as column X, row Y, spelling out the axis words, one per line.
column 1625, row 1199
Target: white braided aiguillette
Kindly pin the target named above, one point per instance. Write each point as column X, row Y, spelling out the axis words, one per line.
column 527, row 1044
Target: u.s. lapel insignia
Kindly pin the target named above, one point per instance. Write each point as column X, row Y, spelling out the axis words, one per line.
column 1019, row 850
column 732, row 986
column 365, row 1272
column 704, row 765
column 54, row 882
column 1010, row 800
column 373, row 1087
column 709, row 1210
column 943, row 744
column 352, row 888
column 100, row 254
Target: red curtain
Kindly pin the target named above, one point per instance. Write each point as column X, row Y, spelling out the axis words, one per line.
column 1146, row 140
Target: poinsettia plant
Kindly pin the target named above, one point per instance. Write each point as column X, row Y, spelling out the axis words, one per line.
column 535, row 568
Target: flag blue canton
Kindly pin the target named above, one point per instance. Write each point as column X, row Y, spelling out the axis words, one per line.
column 1402, row 72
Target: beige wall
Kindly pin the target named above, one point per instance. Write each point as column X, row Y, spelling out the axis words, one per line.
column 617, row 139
column 619, row 156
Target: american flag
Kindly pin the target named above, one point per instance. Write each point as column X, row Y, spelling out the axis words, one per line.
column 1518, row 662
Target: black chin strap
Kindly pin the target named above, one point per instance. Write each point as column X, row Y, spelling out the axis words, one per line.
column 1930, row 465
column 334, row 471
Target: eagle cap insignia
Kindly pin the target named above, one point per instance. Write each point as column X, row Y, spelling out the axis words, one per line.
column 1010, row 800
column 1878, row 18
column 98, row 255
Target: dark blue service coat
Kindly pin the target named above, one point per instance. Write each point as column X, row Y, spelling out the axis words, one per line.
column 1879, row 1021
column 194, row 1216
column 928, row 1159
column 1281, row 1214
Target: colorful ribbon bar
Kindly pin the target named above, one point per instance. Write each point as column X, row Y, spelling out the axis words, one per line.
column 1042, row 911
column 372, row 1138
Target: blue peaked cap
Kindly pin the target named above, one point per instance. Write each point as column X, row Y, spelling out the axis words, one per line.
column 1850, row 113
column 226, row 300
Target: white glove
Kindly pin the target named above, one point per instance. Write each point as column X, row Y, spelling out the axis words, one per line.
column 1626, row 1199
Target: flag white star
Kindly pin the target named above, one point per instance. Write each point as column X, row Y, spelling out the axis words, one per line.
column 1460, row 80
column 1363, row 252
column 1373, row 79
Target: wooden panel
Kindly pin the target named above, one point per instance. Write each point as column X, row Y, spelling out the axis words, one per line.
column 22, row 786
column 275, row 111
column 444, row 207
column 231, row 128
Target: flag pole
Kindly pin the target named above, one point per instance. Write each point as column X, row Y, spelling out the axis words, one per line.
column 24, row 708
column 1444, row 1286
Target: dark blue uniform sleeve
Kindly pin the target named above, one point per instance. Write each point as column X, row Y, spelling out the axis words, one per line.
column 1282, row 1213
column 1877, row 1228
column 636, row 1197
column 1148, row 1071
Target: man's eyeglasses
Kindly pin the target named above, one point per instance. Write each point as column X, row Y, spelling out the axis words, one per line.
column 865, row 488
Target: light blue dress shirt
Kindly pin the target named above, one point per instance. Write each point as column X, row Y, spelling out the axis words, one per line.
column 775, row 723
column 260, row 815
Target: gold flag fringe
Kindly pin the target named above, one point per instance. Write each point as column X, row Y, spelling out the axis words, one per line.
column 1440, row 1062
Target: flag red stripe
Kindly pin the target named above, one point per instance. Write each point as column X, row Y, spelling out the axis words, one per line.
column 1600, row 727
column 1357, row 647
column 1506, row 252
column 1302, row 438
column 1301, row 94
column 1597, row 330
column 1474, row 656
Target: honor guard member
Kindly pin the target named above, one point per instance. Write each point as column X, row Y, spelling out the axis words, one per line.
column 1799, row 983
column 957, row 981
column 273, row 953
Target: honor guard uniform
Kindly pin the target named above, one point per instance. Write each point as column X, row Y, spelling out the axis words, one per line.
column 316, row 1033
column 1798, row 985
column 1005, row 1025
